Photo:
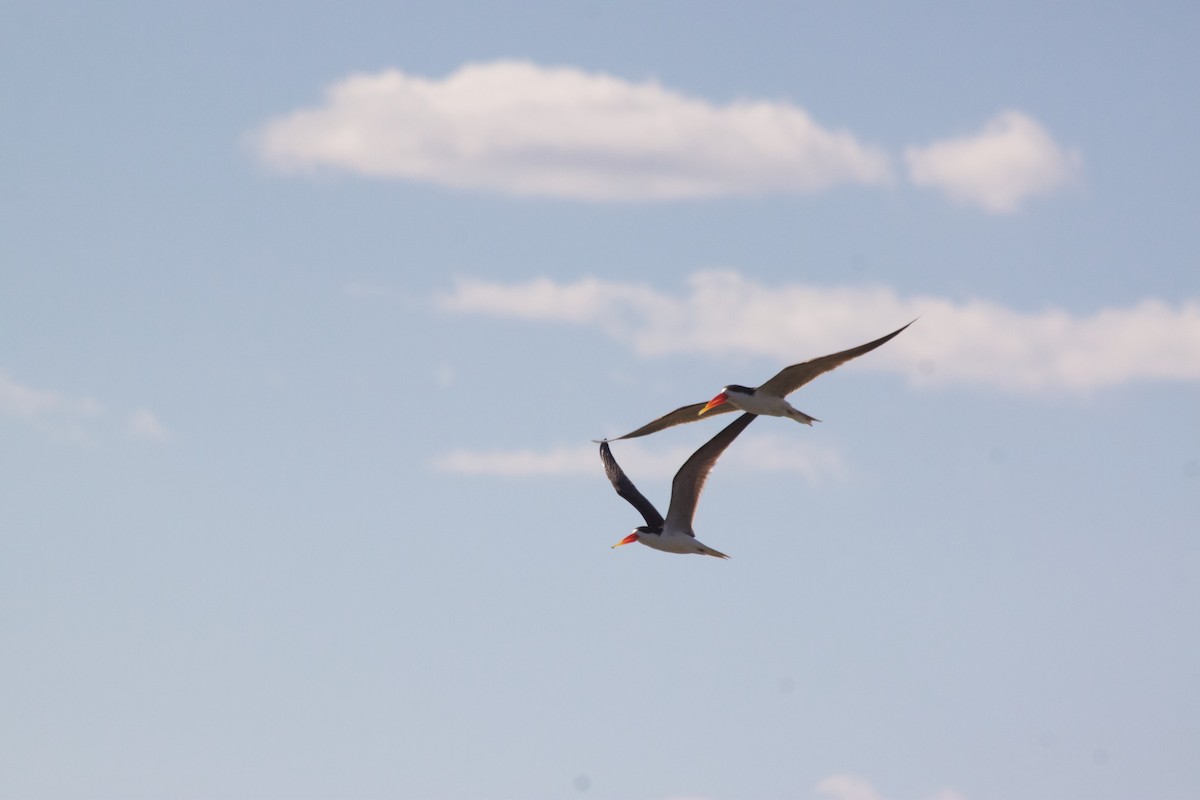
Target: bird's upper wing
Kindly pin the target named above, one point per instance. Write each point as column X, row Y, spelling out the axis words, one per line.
column 792, row 378
column 787, row 381
column 626, row 489
column 689, row 481
column 677, row 417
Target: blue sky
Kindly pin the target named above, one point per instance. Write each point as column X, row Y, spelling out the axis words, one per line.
column 310, row 311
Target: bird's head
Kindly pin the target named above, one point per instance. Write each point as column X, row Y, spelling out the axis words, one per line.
column 725, row 395
column 720, row 399
column 633, row 537
column 630, row 539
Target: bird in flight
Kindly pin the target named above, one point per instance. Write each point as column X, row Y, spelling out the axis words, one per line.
column 674, row 534
column 767, row 399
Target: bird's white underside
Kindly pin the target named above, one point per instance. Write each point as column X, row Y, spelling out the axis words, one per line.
column 768, row 405
column 670, row 541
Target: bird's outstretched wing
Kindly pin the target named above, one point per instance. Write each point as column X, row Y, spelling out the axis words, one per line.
column 792, row 378
column 787, row 381
column 689, row 481
column 677, row 417
column 627, row 490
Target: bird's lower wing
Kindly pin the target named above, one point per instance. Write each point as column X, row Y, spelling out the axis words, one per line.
column 677, row 417
column 627, row 490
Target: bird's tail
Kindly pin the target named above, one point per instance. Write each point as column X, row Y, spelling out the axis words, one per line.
column 708, row 551
column 800, row 416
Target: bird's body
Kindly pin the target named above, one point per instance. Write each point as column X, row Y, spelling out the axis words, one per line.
column 762, row 403
column 672, row 541
column 767, row 399
column 673, row 534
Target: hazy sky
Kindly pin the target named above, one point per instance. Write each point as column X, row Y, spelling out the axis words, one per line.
column 310, row 310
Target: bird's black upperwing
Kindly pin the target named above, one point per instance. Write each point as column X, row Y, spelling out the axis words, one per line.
column 677, row 417
column 689, row 481
column 627, row 490
column 792, row 378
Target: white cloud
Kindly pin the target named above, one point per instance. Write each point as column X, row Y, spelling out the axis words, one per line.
column 519, row 128
column 771, row 453
column 954, row 342
column 1012, row 158
column 143, row 424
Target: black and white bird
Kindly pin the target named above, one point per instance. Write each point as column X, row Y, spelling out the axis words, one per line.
column 674, row 534
column 767, row 399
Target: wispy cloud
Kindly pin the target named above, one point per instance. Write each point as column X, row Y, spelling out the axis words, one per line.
column 844, row 786
column 143, row 424
column 67, row 417
column 54, row 412
column 1012, row 158
column 763, row 453
column 18, row 400
column 523, row 129
column 847, row 787
column 723, row 313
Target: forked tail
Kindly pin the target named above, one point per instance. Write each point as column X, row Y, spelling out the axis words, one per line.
column 800, row 416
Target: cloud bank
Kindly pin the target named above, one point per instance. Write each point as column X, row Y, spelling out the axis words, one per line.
column 764, row 453
column 1012, row 158
column 519, row 128
column 723, row 314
